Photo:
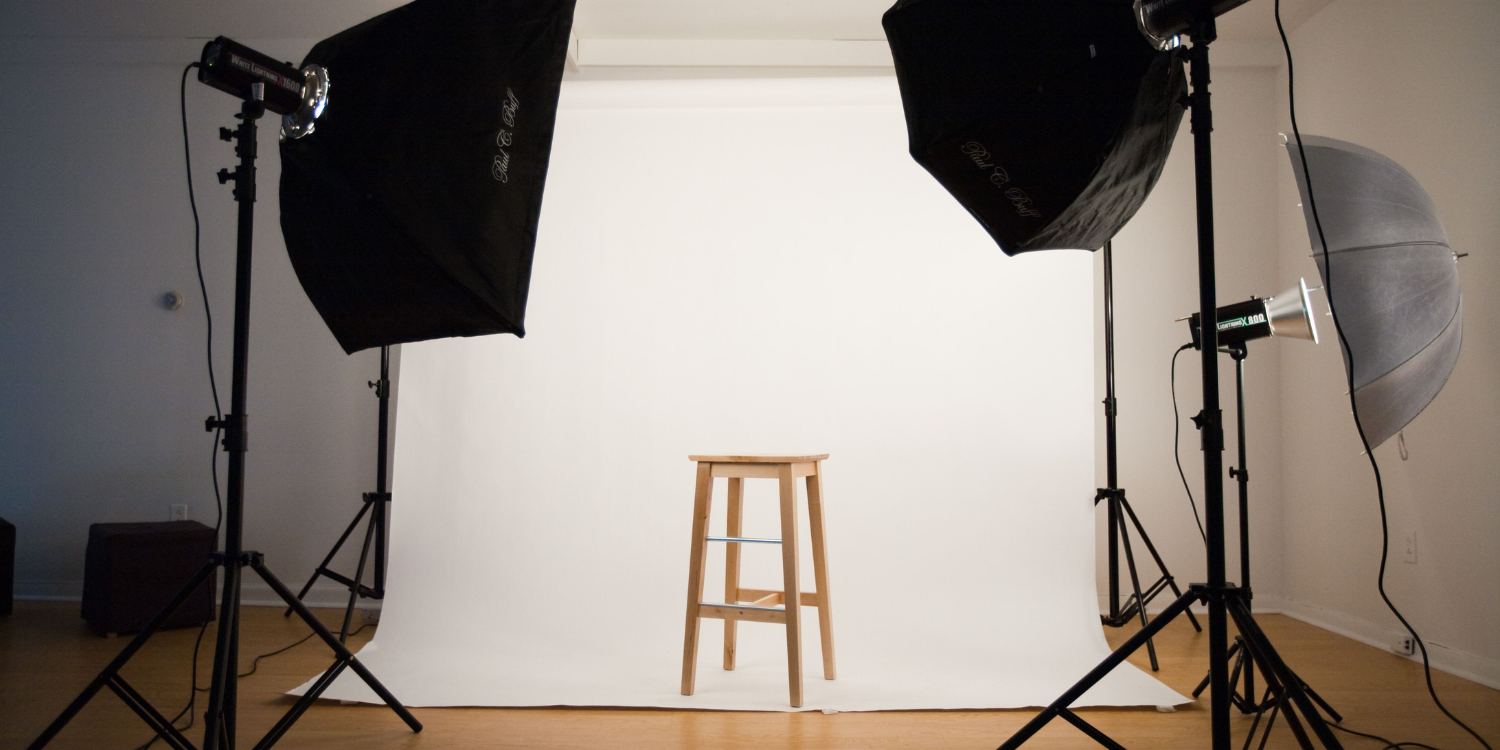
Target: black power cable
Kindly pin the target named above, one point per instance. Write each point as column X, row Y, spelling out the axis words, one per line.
column 1385, row 532
column 1177, row 443
column 254, row 665
column 1389, row 745
column 187, row 157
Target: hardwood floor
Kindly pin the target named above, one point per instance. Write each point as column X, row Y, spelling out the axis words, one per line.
column 47, row 656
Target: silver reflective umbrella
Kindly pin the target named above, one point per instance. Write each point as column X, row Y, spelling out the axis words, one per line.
column 1394, row 279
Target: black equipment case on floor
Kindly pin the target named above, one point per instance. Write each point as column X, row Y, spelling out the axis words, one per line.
column 7, row 565
column 131, row 571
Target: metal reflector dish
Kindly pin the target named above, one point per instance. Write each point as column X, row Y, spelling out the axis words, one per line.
column 314, row 99
column 1389, row 275
column 1290, row 314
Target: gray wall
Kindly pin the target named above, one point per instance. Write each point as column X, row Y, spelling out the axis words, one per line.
column 104, row 391
column 1420, row 83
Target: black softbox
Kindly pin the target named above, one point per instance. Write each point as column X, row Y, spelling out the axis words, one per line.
column 410, row 213
column 1049, row 120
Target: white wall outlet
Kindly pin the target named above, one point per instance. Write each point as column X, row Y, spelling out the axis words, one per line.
column 369, row 615
column 1405, row 645
column 179, row 513
column 1409, row 550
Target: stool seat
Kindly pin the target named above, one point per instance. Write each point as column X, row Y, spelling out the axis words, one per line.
column 759, row 605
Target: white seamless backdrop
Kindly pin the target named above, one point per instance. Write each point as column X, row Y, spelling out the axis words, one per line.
column 752, row 266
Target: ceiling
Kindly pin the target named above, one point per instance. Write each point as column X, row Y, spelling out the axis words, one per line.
column 594, row 19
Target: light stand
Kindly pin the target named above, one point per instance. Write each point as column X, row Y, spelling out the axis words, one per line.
column 1244, row 665
column 1224, row 599
column 1118, row 507
column 376, row 504
column 219, row 723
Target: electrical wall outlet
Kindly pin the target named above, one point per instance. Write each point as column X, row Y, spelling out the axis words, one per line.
column 1405, row 645
column 179, row 513
column 1409, row 552
column 369, row 615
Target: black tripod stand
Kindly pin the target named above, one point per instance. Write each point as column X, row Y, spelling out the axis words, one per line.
column 219, row 723
column 1118, row 507
column 1225, row 600
column 376, row 505
column 1243, row 671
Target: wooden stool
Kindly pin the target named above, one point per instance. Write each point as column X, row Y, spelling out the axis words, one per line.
column 756, row 604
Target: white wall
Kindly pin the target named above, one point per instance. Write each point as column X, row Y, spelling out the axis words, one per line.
column 104, row 391
column 1420, row 83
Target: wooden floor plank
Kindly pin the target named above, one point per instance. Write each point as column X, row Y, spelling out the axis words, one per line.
column 47, row 656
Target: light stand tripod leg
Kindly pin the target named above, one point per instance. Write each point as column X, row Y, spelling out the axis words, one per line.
column 111, row 671
column 308, row 698
column 359, row 580
column 1270, row 722
column 148, row 713
column 1155, row 556
column 225, row 665
column 1115, row 658
column 1292, row 723
column 1090, row 730
column 1283, row 680
column 344, row 654
column 1140, row 601
column 376, row 504
column 1233, row 649
column 1244, row 667
column 1313, row 694
column 329, row 559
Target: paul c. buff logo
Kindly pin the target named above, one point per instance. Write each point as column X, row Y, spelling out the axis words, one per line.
column 500, row 167
column 998, row 177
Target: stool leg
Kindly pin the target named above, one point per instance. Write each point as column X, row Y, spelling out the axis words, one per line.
column 702, row 497
column 820, row 568
column 792, row 591
column 732, row 565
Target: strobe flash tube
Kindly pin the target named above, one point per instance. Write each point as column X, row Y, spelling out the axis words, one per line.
column 1288, row 314
column 299, row 96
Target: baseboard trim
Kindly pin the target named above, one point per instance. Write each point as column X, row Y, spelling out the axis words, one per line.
column 253, row 592
column 1267, row 604
column 49, row 591
column 1457, row 662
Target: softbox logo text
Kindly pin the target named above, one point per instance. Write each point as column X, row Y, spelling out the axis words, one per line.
column 998, row 177
column 500, row 167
